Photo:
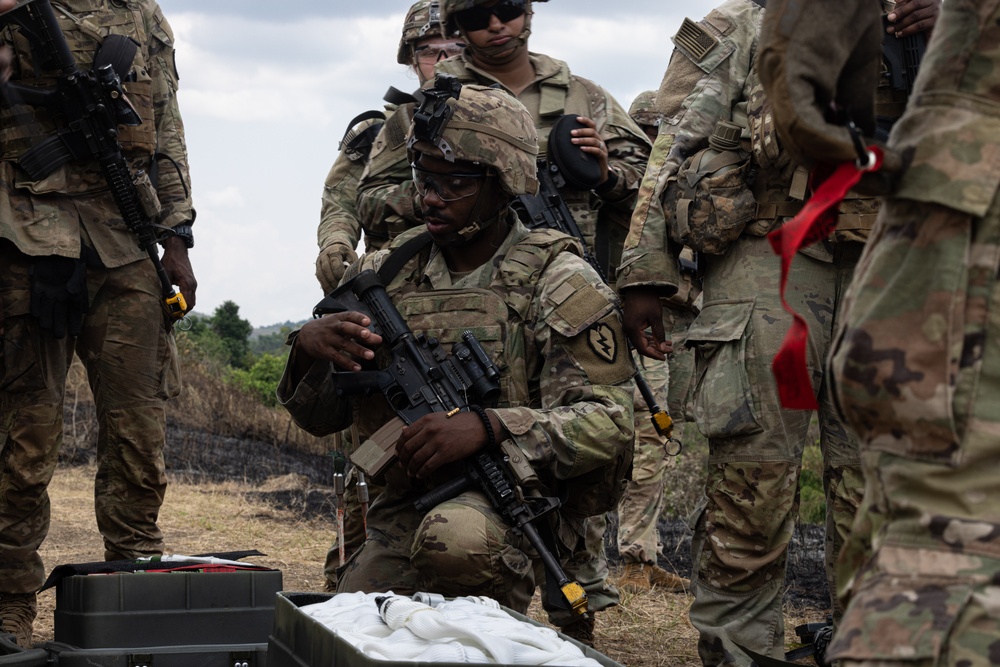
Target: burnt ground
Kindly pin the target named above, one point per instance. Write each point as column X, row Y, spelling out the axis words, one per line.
column 198, row 455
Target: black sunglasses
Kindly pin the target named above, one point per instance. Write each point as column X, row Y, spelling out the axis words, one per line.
column 478, row 18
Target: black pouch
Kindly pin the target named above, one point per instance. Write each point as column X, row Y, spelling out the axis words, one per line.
column 59, row 294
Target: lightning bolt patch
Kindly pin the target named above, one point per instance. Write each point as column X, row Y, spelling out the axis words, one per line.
column 603, row 342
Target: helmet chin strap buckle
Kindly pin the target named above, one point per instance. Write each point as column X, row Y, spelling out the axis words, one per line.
column 469, row 231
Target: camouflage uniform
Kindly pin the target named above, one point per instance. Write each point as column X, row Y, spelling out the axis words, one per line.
column 916, row 369
column 643, row 502
column 567, row 407
column 339, row 230
column 387, row 201
column 755, row 447
column 125, row 342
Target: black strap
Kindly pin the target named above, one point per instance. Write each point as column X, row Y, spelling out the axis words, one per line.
column 401, row 255
column 396, row 96
column 360, row 118
column 342, row 298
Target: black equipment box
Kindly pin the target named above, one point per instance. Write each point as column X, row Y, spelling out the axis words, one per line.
column 141, row 609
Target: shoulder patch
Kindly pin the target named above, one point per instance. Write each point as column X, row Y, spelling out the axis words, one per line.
column 603, row 341
column 695, row 40
column 601, row 352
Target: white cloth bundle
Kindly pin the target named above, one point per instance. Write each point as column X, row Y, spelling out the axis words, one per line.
column 468, row 629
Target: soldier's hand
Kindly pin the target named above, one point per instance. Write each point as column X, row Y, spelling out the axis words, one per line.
column 6, row 5
column 331, row 264
column 912, row 16
column 815, row 55
column 177, row 264
column 589, row 141
column 436, row 440
column 340, row 338
column 643, row 322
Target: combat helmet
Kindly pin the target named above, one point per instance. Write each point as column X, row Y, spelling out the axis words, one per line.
column 643, row 110
column 478, row 124
column 423, row 20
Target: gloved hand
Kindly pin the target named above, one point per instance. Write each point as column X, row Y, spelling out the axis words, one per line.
column 59, row 294
column 814, row 53
column 331, row 263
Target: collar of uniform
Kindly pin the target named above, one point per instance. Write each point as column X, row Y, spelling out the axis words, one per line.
column 437, row 276
column 548, row 71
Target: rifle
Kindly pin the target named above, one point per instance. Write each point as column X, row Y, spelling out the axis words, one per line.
column 93, row 104
column 422, row 378
column 547, row 210
column 901, row 58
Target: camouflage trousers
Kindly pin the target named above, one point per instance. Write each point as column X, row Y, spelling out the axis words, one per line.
column 917, row 371
column 640, row 508
column 131, row 365
column 741, row 537
column 676, row 323
column 587, row 566
column 460, row 547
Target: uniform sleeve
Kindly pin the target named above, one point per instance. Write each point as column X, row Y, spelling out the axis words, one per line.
column 712, row 60
column 585, row 382
column 174, row 184
column 628, row 152
column 387, row 199
column 338, row 218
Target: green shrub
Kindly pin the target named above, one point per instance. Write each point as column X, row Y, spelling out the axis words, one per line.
column 812, row 499
column 261, row 378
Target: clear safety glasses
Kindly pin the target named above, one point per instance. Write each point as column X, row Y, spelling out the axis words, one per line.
column 448, row 187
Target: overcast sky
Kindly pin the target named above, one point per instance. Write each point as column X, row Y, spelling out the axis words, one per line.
column 267, row 90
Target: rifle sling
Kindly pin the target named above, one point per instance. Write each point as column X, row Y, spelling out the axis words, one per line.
column 401, row 255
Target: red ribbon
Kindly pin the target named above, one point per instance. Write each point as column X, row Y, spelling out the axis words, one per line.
column 816, row 221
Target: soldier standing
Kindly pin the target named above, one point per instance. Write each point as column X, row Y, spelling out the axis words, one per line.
column 643, row 503
column 719, row 188
column 545, row 319
column 75, row 279
column 915, row 365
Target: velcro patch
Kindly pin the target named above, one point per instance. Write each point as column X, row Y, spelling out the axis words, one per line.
column 695, row 40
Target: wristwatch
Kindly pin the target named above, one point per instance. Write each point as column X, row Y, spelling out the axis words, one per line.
column 186, row 234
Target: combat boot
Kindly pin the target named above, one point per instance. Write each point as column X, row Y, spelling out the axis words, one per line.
column 581, row 630
column 634, row 578
column 17, row 614
column 668, row 581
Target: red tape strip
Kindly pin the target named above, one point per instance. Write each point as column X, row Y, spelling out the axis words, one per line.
column 815, row 221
